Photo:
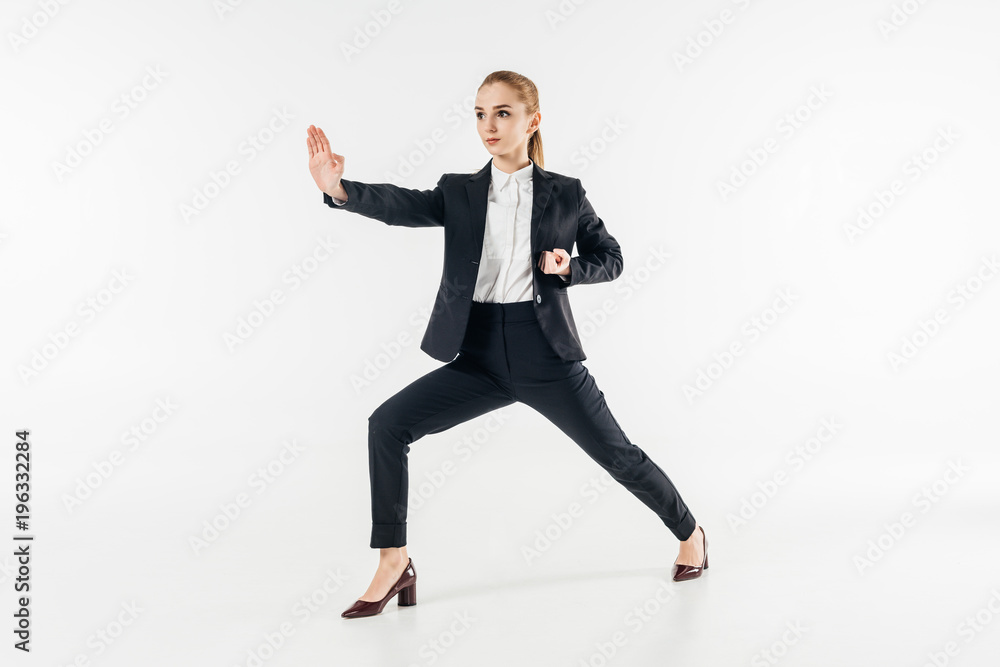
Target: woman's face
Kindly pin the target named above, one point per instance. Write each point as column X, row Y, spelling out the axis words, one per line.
column 500, row 115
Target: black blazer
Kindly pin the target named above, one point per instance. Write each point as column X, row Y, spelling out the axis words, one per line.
column 560, row 216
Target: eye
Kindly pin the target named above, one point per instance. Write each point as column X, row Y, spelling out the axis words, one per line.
column 504, row 111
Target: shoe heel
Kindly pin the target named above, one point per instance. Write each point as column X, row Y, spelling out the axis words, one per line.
column 408, row 596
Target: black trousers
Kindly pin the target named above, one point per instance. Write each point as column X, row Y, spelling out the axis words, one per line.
column 505, row 358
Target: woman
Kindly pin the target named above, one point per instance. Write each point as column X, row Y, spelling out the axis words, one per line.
column 502, row 306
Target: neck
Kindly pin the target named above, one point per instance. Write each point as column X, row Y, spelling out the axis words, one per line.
column 509, row 164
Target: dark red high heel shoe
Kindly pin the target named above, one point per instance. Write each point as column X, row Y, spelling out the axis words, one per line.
column 685, row 572
column 406, row 586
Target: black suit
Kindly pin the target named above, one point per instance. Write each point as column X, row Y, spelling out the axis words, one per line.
column 560, row 217
column 526, row 351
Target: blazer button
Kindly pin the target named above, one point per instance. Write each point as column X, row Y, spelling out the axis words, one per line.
column 538, row 299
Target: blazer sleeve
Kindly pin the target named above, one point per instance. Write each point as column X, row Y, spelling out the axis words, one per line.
column 392, row 204
column 600, row 257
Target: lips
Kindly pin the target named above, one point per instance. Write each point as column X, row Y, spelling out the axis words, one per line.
column 492, row 141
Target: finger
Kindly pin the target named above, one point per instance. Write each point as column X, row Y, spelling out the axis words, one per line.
column 323, row 140
column 314, row 136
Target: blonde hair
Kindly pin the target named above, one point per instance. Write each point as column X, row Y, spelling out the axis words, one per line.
column 528, row 94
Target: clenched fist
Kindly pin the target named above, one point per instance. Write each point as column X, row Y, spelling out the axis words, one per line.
column 556, row 261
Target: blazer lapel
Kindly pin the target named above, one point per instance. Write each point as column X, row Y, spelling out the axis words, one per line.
column 478, row 190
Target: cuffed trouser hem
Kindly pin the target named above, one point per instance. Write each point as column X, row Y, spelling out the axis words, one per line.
column 682, row 531
column 389, row 535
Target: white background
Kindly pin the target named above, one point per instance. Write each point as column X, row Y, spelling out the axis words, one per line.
column 652, row 137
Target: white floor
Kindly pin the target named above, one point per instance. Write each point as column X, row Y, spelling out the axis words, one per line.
column 847, row 278
column 782, row 589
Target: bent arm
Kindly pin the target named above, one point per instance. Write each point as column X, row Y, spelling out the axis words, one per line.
column 600, row 258
column 392, row 204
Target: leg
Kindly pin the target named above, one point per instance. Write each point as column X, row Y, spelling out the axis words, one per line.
column 445, row 397
column 576, row 405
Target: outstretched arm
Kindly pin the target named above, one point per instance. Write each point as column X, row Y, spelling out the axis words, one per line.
column 392, row 204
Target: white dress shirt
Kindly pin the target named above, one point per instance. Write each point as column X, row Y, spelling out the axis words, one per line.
column 505, row 265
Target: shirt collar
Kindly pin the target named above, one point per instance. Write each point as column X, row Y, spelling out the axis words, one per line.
column 522, row 175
